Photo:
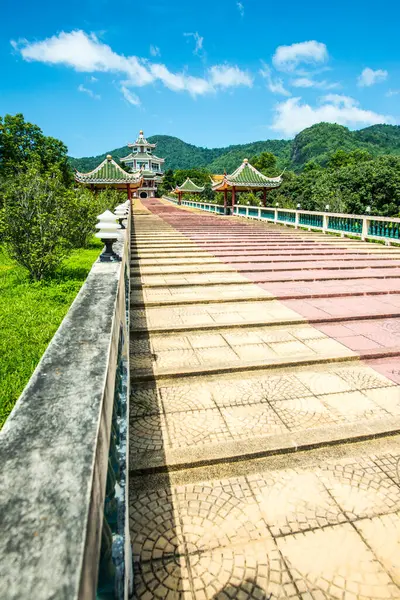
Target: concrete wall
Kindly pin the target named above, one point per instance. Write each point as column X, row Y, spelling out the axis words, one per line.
column 54, row 449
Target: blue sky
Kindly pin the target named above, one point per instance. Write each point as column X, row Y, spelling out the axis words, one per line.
column 219, row 72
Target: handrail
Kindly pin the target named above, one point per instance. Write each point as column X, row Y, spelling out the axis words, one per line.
column 64, row 454
column 365, row 227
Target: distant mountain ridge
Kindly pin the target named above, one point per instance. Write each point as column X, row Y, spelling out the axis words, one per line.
column 315, row 143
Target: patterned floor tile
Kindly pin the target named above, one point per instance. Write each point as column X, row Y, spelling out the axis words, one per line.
column 363, row 378
column 197, row 428
column 161, row 343
column 148, row 433
column 382, row 534
column 390, row 464
column 237, row 392
column 360, row 488
column 190, row 396
column 206, row 340
column 145, row 400
column 215, row 356
column 293, row 501
column 335, row 563
column 387, row 398
column 219, row 514
column 162, row 579
column 252, row 571
column 176, row 358
column 287, row 349
column 256, row 420
column 141, row 361
column 300, row 414
column 323, row 383
column 352, row 406
column 154, row 523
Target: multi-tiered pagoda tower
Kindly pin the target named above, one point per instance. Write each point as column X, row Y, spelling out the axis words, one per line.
column 150, row 166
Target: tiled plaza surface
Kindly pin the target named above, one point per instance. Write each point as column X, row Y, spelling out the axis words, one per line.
column 265, row 410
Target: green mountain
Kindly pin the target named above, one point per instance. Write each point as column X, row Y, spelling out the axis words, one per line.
column 315, row 143
column 318, row 142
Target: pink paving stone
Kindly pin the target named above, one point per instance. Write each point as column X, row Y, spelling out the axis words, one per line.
column 389, row 367
column 362, row 327
column 359, row 342
column 335, row 331
column 384, row 338
column 307, row 262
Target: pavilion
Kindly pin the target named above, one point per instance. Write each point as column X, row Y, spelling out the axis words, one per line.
column 110, row 175
column 151, row 166
column 246, row 178
column 187, row 187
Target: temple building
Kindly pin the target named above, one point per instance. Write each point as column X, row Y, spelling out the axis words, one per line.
column 187, row 187
column 108, row 174
column 142, row 182
column 141, row 159
column 246, row 178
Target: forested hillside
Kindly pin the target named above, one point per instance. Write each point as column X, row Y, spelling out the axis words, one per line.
column 316, row 143
column 319, row 142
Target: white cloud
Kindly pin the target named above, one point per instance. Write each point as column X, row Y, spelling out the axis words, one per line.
column 198, row 40
column 287, row 58
column 90, row 93
column 240, row 8
column 370, row 77
column 391, row 93
column 93, row 79
column 225, row 76
column 306, row 82
column 130, row 96
column 86, row 53
column 339, row 100
column 274, row 85
column 154, row 50
column 292, row 115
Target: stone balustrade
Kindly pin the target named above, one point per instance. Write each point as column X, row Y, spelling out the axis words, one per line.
column 362, row 226
column 64, row 454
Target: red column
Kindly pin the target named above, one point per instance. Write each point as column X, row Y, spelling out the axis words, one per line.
column 225, row 200
column 265, row 196
column 179, row 198
column 129, row 191
column 233, row 197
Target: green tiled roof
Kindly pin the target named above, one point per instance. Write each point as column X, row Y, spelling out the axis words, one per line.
column 247, row 176
column 107, row 172
column 142, row 156
column 189, row 186
column 148, row 174
column 141, row 141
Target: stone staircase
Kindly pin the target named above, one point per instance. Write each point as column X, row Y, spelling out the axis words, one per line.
column 249, row 341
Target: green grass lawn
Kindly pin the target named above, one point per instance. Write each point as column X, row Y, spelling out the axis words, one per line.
column 30, row 313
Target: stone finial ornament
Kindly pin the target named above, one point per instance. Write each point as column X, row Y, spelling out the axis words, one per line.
column 108, row 233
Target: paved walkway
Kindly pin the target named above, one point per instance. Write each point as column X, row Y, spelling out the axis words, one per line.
column 257, row 353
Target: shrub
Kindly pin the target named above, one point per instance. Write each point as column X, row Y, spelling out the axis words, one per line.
column 36, row 222
column 84, row 208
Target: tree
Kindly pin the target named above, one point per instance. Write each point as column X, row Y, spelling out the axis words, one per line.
column 23, row 144
column 343, row 159
column 168, row 182
column 83, row 210
column 265, row 162
column 37, row 221
column 208, row 194
column 199, row 176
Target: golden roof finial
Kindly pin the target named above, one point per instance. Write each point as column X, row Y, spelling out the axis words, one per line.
column 246, row 160
column 109, row 157
column 141, row 132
